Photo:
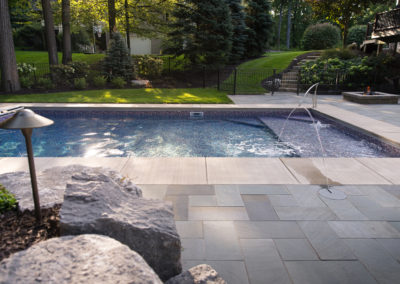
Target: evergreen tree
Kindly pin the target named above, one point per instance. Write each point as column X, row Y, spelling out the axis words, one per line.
column 118, row 62
column 202, row 31
column 239, row 30
column 259, row 27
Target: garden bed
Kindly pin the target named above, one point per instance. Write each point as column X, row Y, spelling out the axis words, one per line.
column 376, row 98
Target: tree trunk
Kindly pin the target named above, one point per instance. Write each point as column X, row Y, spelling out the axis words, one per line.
column 8, row 63
column 111, row 16
column 50, row 34
column 279, row 27
column 294, row 23
column 289, row 18
column 128, row 40
column 345, row 32
column 66, row 23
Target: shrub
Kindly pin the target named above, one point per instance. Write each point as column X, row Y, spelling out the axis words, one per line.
column 45, row 83
column 149, row 66
column 356, row 34
column 99, row 81
column 80, row 83
column 341, row 53
column 118, row 82
column 62, row 74
column 118, row 62
column 81, row 69
column 7, row 200
column 26, row 82
column 320, row 36
column 25, row 69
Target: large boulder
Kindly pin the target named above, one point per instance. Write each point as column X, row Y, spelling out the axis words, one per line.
column 200, row 274
column 94, row 206
column 51, row 184
column 81, row 259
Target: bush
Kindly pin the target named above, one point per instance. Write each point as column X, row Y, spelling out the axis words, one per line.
column 118, row 62
column 99, row 81
column 25, row 69
column 356, row 34
column 320, row 36
column 26, row 82
column 62, row 74
column 45, row 83
column 118, row 82
column 80, row 83
column 7, row 200
column 149, row 66
column 341, row 53
column 81, row 69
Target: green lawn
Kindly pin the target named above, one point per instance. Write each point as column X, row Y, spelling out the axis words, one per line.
column 38, row 57
column 250, row 74
column 140, row 96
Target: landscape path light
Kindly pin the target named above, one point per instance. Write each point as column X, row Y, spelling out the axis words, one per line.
column 26, row 120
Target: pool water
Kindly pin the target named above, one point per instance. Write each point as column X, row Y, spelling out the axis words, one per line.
column 121, row 134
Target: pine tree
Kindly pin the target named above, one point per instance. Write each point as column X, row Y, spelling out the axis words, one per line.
column 202, row 31
column 259, row 26
column 118, row 62
column 239, row 37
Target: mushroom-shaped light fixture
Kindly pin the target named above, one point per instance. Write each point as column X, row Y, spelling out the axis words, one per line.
column 26, row 120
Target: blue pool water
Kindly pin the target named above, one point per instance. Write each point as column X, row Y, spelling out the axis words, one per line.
column 174, row 134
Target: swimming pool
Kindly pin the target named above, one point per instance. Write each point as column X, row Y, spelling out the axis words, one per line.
column 176, row 134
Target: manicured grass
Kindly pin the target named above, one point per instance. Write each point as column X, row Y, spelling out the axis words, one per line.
column 140, row 96
column 38, row 57
column 273, row 60
column 250, row 74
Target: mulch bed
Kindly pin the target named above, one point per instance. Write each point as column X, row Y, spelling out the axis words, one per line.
column 19, row 230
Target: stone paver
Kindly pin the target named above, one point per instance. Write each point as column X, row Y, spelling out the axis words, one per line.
column 305, row 213
column 221, row 241
column 202, row 200
column 151, row 191
column 344, row 209
column 364, row 229
column 218, row 213
column 259, row 207
column 190, row 229
column 392, row 246
column 384, row 166
column 295, row 249
column 193, row 249
column 373, row 210
column 263, row 262
column 377, row 260
column 228, row 196
column 325, row 241
column 268, row 230
column 328, row 272
column 270, row 189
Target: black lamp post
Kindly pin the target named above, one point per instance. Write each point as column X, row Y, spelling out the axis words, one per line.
column 26, row 120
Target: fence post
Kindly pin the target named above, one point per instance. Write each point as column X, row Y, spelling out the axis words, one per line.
column 234, row 81
column 337, row 82
column 218, row 86
column 273, row 82
column 204, row 76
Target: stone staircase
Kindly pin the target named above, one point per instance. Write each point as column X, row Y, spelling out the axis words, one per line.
column 289, row 77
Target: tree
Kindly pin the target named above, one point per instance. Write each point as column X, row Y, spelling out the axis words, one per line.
column 8, row 63
column 288, row 27
column 111, row 16
column 202, row 31
column 341, row 12
column 259, row 24
column 66, row 24
column 118, row 62
column 239, row 36
column 50, row 34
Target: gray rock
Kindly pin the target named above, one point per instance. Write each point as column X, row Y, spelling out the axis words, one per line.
column 200, row 274
column 146, row 226
column 52, row 182
column 82, row 259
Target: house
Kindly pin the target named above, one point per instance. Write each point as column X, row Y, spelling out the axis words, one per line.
column 142, row 46
column 385, row 29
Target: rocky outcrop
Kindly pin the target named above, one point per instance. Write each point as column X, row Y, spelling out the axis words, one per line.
column 96, row 206
column 200, row 274
column 81, row 259
column 51, row 184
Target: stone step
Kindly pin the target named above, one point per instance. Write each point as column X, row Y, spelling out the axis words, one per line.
column 290, row 86
column 294, row 90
